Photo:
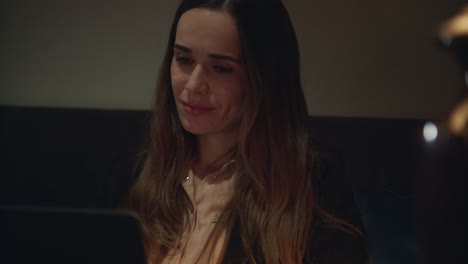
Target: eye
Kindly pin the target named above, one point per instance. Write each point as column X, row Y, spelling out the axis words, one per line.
column 222, row 69
column 184, row 60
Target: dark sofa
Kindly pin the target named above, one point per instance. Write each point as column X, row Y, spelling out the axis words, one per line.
column 84, row 158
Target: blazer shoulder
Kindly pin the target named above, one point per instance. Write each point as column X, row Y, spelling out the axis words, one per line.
column 333, row 243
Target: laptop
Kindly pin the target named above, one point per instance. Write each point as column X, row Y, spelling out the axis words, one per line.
column 49, row 235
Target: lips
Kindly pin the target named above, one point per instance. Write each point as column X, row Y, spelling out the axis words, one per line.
column 195, row 109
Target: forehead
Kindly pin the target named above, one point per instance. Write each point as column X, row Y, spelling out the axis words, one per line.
column 208, row 30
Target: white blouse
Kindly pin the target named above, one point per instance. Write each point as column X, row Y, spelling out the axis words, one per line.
column 209, row 199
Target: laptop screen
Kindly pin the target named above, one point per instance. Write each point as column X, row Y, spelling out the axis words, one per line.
column 47, row 235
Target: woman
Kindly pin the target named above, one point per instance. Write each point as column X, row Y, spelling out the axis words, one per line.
column 227, row 175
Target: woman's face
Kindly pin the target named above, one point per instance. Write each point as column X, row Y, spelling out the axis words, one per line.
column 208, row 79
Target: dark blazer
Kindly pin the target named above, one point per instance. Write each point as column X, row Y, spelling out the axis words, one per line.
column 329, row 244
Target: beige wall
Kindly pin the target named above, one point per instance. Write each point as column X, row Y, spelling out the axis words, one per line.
column 359, row 58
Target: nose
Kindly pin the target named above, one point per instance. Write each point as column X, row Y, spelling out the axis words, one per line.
column 197, row 82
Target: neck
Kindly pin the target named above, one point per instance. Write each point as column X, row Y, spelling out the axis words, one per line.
column 212, row 150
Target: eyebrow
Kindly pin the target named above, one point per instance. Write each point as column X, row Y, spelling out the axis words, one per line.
column 212, row 55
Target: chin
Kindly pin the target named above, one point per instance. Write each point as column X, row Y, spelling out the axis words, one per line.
column 201, row 127
column 195, row 129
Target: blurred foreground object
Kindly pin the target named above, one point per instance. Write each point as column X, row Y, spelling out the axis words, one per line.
column 458, row 120
column 441, row 208
column 454, row 36
column 456, row 26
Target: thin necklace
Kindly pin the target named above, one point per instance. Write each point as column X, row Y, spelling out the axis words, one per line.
column 212, row 177
column 215, row 174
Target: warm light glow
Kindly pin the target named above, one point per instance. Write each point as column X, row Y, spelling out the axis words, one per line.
column 430, row 132
column 458, row 120
column 456, row 26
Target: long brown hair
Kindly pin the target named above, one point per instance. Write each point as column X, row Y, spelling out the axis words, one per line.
column 273, row 202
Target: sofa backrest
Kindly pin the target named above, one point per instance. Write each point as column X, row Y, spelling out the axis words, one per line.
column 85, row 158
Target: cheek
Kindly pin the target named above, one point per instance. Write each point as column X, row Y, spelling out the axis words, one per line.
column 237, row 98
column 178, row 80
column 232, row 96
column 237, row 93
